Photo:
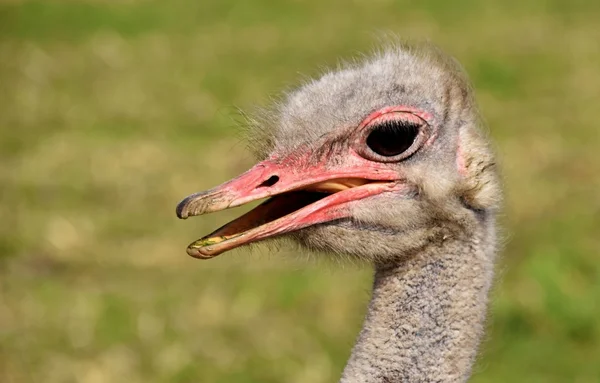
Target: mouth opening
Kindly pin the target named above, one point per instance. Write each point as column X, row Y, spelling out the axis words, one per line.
column 275, row 208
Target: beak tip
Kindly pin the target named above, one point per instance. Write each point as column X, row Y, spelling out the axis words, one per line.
column 192, row 252
column 182, row 209
column 195, row 252
column 180, row 213
column 200, row 203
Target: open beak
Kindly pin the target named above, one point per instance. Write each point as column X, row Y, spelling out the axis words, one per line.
column 300, row 196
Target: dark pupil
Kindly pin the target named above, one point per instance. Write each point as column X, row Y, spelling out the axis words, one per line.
column 392, row 138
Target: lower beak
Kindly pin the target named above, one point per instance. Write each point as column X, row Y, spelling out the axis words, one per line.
column 298, row 198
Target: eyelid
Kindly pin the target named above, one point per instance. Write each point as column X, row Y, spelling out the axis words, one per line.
column 403, row 109
column 394, row 116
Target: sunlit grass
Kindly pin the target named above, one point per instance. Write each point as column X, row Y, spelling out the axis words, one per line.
column 111, row 112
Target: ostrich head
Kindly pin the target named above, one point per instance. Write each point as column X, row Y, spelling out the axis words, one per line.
column 374, row 160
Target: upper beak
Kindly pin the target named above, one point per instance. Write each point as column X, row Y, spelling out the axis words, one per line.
column 304, row 195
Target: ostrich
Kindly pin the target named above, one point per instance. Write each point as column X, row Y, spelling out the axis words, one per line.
column 383, row 160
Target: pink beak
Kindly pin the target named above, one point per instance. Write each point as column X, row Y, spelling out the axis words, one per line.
column 302, row 194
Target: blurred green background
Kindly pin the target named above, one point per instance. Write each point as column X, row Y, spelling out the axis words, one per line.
column 112, row 111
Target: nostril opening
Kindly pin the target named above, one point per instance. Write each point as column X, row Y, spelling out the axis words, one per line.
column 270, row 182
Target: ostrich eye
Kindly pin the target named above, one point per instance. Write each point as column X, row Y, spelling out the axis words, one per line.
column 391, row 138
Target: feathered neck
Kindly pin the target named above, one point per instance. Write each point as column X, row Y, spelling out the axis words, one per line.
column 426, row 316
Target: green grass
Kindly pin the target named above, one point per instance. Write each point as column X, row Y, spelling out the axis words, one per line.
column 111, row 112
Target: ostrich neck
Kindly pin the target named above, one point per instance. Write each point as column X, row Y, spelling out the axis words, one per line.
column 425, row 317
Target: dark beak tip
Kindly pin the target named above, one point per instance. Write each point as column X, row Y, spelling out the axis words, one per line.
column 198, row 204
column 181, row 211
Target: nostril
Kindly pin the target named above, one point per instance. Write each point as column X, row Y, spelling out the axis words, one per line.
column 270, row 182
